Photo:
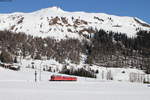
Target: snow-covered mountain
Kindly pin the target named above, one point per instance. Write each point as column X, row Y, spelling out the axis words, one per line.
column 57, row 23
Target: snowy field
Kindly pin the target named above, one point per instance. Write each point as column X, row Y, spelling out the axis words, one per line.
column 21, row 86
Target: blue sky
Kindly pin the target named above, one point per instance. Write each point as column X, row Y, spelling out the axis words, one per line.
column 135, row 8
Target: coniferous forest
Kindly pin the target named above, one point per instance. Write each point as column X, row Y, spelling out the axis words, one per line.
column 107, row 49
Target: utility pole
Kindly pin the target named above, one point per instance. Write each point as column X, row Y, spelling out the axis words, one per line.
column 40, row 78
column 40, row 74
column 35, row 76
column 35, row 73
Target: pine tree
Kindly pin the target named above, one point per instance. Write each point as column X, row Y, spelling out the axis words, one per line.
column 6, row 57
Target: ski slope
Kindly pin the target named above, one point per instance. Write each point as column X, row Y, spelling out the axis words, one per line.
column 21, row 86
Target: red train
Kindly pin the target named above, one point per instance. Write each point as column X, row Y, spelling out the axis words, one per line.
column 62, row 78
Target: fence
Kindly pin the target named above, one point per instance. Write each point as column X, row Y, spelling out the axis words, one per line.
column 141, row 78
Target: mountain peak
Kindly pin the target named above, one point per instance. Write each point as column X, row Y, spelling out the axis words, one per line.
column 48, row 10
column 53, row 9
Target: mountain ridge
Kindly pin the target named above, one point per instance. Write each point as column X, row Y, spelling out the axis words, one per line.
column 59, row 24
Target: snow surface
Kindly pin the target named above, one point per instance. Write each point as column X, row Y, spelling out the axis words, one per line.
column 21, row 86
column 118, row 74
column 38, row 23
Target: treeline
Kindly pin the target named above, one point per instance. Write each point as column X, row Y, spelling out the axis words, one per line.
column 79, row 72
column 107, row 49
column 111, row 49
column 13, row 45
